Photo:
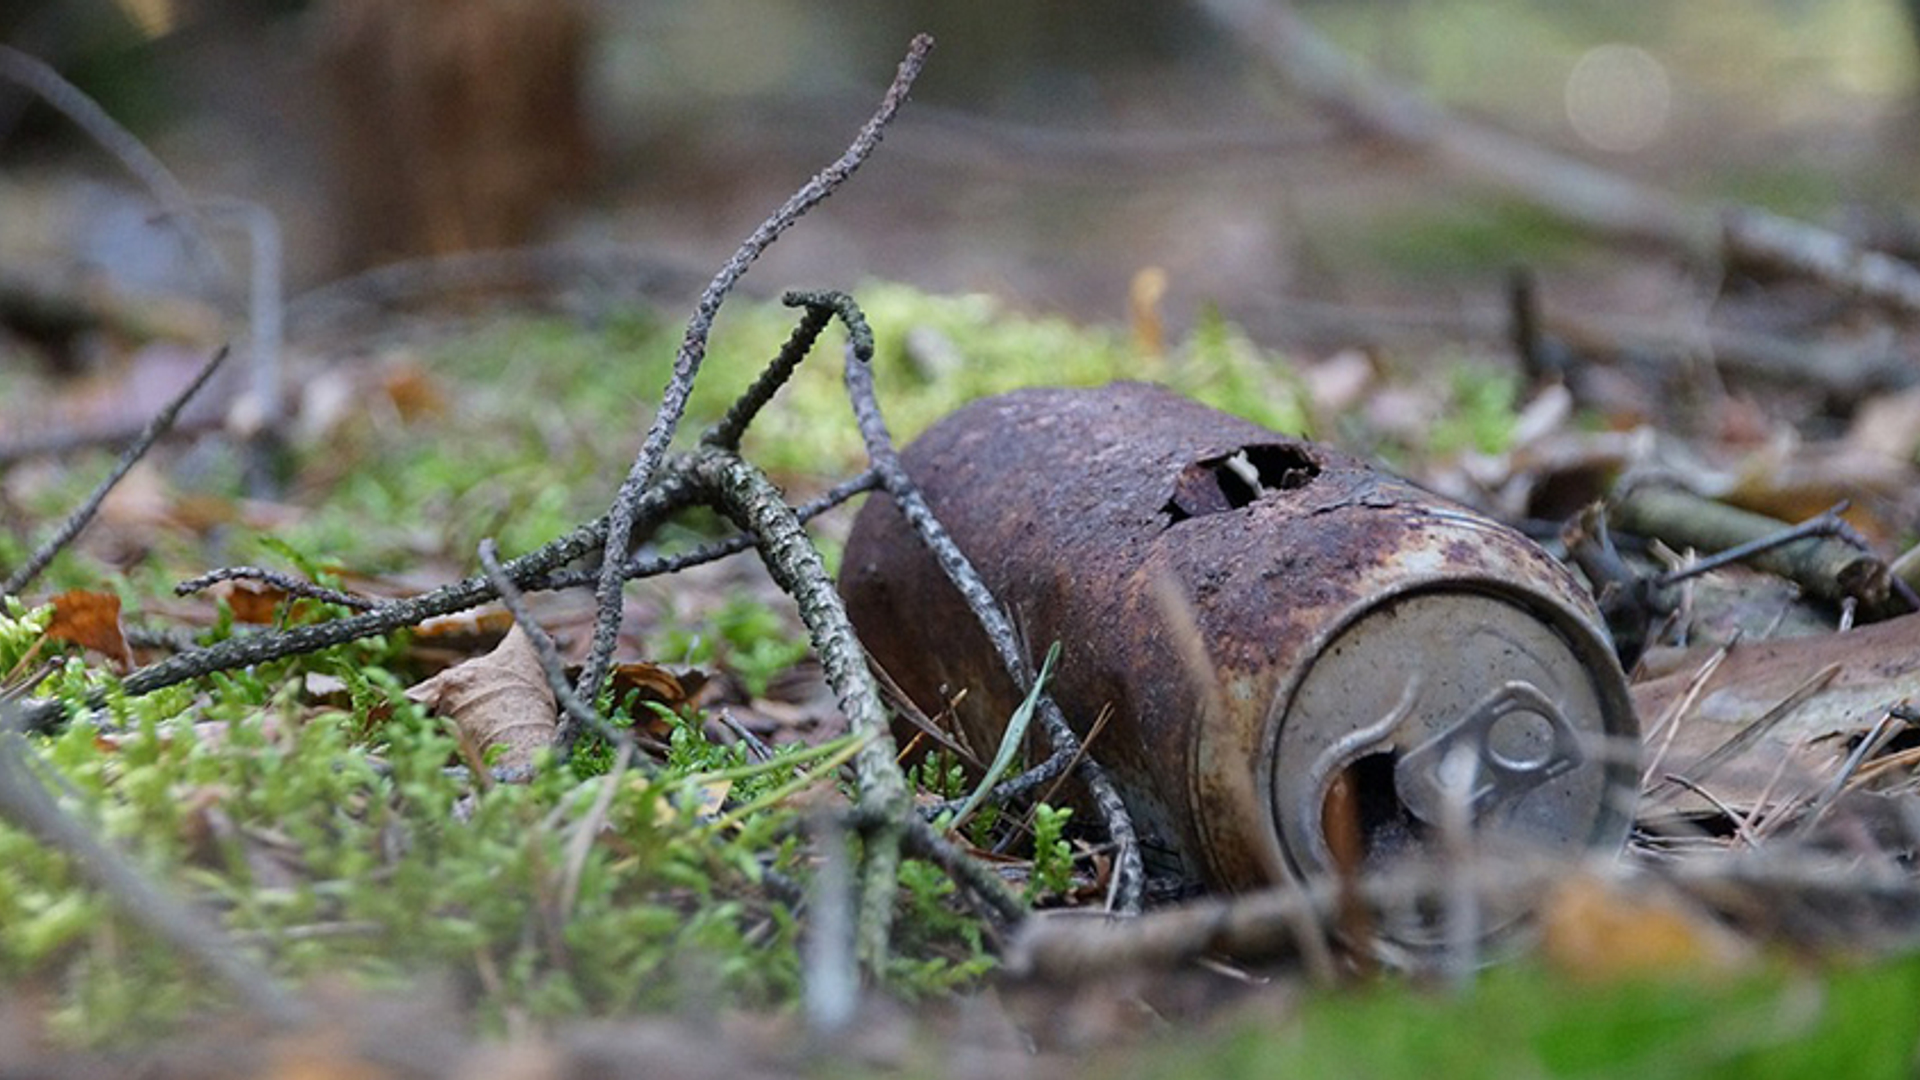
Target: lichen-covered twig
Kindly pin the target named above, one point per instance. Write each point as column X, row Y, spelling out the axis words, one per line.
column 25, row 804
column 1130, row 878
column 706, row 553
column 575, row 715
column 727, row 433
column 285, row 582
column 78, row 520
column 672, row 491
column 693, row 348
column 745, row 495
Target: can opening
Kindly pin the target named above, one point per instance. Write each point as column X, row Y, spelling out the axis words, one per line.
column 1362, row 817
column 1216, row 485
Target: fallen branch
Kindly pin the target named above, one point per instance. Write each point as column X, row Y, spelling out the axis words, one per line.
column 672, row 491
column 86, row 114
column 745, row 495
column 1831, row 565
column 693, row 347
column 1590, row 198
column 1593, row 199
column 1755, row 239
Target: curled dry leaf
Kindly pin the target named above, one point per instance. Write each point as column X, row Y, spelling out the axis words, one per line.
column 90, row 620
column 251, row 601
column 655, row 684
column 498, row 700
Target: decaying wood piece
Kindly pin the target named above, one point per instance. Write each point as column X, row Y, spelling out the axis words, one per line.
column 1831, row 568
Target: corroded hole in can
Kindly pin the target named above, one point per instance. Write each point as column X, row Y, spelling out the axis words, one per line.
column 1362, row 817
column 1216, row 485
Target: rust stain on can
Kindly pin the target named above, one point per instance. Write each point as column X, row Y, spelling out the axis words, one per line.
column 1266, row 617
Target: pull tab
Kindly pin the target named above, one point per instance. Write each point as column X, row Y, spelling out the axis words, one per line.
column 1518, row 741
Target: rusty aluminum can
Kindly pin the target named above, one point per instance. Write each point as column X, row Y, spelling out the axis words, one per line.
column 1269, row 621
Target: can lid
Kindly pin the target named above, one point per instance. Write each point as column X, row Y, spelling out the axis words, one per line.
column 1501, row 705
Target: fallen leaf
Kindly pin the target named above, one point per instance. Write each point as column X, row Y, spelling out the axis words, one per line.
column 1599, row 931
column 1878, row 666
column 251, row 601
column 1888, row 426
column 90, row 620
column 414, row 391
column 653, row 684
column 498, row 700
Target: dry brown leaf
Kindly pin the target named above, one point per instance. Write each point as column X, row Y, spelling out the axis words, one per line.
column 1597, row 931
column 489, row 624
column 657, row 685
column 1879, row 666
column 498, row 700
column 413, row 390
column 90, row 620
column 252, row 602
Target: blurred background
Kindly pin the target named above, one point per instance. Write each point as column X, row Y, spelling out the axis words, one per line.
column 1051, row 153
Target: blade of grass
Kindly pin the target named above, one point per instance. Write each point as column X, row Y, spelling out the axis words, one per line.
column 1010, row 742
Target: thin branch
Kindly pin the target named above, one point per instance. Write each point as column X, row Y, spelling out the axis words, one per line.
column 744, row 494
column 285, row 582
column 78, row 520
column 706, row 553
column 1129, row 875
column 1830, row 563
column 923, row 841
column 1754, row 238
column 727, row 433
column 577, row 715
column 693, row 347
column 673, row 491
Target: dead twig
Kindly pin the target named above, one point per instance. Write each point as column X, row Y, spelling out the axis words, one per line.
column 577, row 715
column 686, row 365
column 1129, row 875
column 79, row 518
column 1823, row 556
column 285, row 582
column 745, row 495
column 814, row 318
column 672, row 491
column 706, row 553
